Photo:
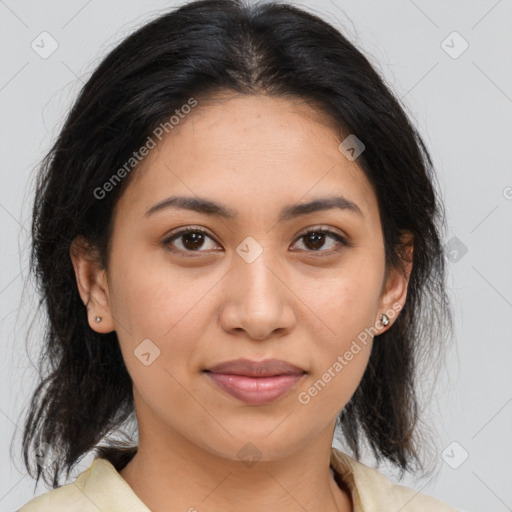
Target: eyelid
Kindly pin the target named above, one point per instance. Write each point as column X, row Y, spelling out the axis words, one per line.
column 324, row 228
column 183, row 230
column 329, row 231
column 188, row 228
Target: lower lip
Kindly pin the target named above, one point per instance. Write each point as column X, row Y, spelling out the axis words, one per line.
column 255, row 390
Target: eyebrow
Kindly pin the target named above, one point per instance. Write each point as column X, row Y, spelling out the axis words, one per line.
column 209, row 207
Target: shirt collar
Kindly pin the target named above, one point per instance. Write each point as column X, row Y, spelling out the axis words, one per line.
column 118, row 496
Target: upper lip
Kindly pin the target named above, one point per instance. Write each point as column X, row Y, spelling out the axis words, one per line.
column 266, row 368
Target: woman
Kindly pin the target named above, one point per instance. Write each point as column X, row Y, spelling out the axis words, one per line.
column 235, row 208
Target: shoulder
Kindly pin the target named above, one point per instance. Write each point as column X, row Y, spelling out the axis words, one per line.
column 61, row 498
column 372, row 491
column 100, row 487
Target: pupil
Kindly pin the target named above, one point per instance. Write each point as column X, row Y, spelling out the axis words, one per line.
column 197, row 240
column 317, row 239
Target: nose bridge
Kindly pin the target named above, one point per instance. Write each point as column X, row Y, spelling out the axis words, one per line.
column 255, row 270
column 257, row 298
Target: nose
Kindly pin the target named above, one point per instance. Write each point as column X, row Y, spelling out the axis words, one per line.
column 258, row 298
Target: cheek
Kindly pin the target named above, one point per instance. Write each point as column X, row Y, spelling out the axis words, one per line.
column 348, row 307
column 161, row 346
column 342, row 354
column 330, row 389
column 346, row 302
column 157, row 320
column 151, row 298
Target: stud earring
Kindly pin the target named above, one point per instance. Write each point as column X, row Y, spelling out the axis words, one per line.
column 384, row 319
column 97, row 319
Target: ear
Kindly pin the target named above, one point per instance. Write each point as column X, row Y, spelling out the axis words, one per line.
column 92, row 284
column 394, row 291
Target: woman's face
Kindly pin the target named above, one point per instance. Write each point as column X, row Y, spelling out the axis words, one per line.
column 249, row 285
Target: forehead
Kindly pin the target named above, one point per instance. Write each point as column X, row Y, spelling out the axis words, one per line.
column 253, row 153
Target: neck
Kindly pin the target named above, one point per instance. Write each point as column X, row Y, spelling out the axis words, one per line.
column 169, row 472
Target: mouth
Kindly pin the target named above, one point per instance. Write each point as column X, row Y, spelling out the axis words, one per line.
column 256, row 383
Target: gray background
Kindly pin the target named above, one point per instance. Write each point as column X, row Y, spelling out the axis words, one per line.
column 462, row 104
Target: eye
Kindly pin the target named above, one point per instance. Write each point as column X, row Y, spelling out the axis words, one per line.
column 315, row 238
column 191, row 239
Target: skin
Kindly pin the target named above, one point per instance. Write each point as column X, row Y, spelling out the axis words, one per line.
column 254, row 154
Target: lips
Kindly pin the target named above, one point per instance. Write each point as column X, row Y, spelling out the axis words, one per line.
column 253, row 382
column 267, row 368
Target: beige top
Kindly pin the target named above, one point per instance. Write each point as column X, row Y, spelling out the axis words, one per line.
column 101, row 487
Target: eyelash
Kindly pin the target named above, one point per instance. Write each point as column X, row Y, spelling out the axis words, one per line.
column 336, row 236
